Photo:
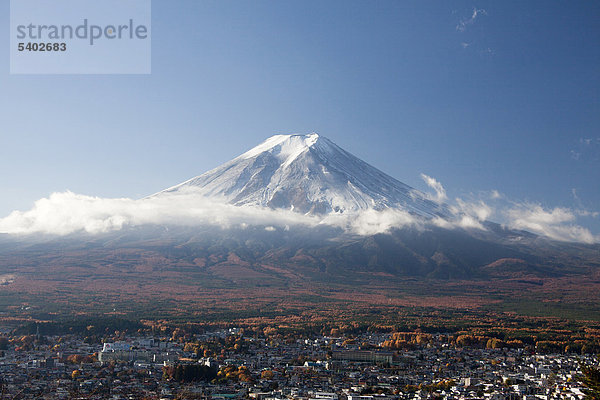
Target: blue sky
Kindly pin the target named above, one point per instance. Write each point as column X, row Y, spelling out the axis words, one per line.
column 480, row 95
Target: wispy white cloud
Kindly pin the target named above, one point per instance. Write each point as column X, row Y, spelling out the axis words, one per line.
column 586, row 149
column 470, row 214
column 370, row 222
column 556, row 223
column 586, row 213
column 581, row 209
column 440, row 192
column 465, row 22
column 576, row 198
column 465, row 214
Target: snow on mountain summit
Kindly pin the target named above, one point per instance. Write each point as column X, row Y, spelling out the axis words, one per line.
column 288, row 146
column 308, row 174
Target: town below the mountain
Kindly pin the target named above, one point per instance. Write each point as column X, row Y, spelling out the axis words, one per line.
column 270, row 364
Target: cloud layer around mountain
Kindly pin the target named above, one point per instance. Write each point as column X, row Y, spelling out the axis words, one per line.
column 66, row 213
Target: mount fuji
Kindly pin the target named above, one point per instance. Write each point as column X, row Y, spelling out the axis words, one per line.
column 308, row 174
column 255, row 262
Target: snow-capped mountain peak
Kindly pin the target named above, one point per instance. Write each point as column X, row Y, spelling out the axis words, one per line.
column 307, row 174
column 286, row 147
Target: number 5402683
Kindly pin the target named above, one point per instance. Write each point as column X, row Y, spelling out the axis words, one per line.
column 42, row 46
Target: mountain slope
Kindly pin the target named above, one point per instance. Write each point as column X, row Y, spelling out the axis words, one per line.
column 307, row 174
